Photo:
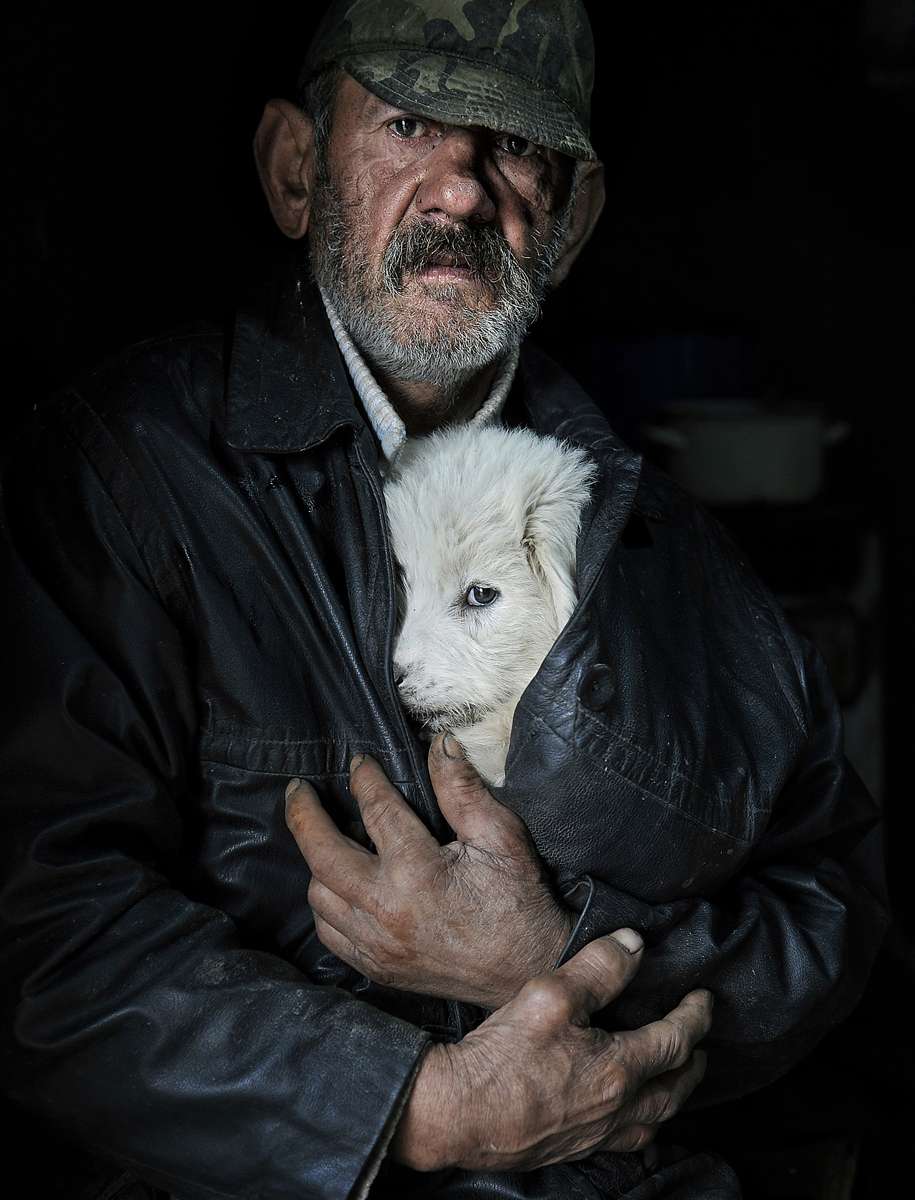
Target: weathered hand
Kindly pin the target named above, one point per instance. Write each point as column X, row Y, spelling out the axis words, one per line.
column 534, row 1084
column 473, row 920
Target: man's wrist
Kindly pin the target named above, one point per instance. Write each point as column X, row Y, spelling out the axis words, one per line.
column 566, row 921
column 547, row 942
column 432, row 1129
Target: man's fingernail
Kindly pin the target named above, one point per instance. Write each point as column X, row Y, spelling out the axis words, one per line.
column 629, row 940
column 451, row 747
column 291, row 786
column 356, row 761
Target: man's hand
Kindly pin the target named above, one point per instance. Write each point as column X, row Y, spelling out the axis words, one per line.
column 473, row 920
column 534, row 1084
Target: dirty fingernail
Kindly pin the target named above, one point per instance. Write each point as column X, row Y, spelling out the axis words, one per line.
column 356, row 761
column 291, row 786
column 628, row 939
column 451, row 747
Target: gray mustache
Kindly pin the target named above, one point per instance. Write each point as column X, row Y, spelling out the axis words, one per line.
column 481, row 249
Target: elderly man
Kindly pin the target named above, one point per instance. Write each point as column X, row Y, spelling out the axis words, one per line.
column 379, row 986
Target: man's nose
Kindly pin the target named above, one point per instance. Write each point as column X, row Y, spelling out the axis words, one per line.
column 452, row 184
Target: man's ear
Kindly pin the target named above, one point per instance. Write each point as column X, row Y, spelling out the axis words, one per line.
column 284, row 150
column 589, row 204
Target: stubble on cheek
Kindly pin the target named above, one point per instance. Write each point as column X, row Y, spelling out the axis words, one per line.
column 368, row 220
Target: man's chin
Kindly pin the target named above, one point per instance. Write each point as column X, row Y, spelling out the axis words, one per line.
column 447, row 286
column 436, row 331
column 432, row 310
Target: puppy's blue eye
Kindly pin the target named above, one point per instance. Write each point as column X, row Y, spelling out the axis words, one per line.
column 479, row 596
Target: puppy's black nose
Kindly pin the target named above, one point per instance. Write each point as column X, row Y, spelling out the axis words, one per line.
column 399, row 677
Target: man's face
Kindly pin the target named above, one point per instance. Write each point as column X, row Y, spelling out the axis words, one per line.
column 434, row 242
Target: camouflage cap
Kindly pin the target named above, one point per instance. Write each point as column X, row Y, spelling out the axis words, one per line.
column 519, row 66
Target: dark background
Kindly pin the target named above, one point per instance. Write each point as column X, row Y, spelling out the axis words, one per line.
column 758, row 239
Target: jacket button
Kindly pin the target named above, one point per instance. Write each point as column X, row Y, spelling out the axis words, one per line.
column 597, row 687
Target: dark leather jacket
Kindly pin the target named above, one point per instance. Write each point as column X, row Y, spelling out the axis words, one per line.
column 205, row 607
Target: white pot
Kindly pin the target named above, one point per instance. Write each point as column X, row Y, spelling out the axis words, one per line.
column 744, row 452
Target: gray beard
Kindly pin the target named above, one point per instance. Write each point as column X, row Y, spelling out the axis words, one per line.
column 465, row 339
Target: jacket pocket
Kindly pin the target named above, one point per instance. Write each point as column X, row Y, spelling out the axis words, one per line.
column 596, row 804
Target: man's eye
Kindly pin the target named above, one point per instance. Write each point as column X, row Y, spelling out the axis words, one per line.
column 518, row 146
column 407, row 128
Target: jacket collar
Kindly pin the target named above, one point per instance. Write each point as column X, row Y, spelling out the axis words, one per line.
column 557, row 405
column 287, row 388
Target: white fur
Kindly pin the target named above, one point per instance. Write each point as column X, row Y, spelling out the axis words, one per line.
column 497, row 508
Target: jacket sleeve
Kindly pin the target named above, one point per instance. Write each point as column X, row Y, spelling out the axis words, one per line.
column 787, row 946
column 139, row 1024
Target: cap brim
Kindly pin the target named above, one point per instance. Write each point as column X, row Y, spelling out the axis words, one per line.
column 441, row 87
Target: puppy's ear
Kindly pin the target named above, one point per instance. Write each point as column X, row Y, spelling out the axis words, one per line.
column 551, row 529
column 549, row 539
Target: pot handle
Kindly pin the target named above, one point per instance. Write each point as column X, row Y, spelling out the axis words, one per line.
column 665, row 436
column 838, row 431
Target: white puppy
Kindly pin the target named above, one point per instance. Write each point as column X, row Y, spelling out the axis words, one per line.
column 483, row 525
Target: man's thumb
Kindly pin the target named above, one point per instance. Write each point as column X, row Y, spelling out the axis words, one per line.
column 602, row 969
column 464, row 800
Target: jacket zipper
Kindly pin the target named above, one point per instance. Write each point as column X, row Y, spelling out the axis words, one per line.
column 459, row 1026
column 389, row 632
